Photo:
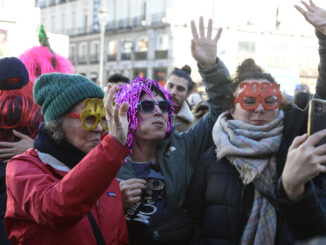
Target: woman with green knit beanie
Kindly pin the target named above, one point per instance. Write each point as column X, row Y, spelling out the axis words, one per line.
column 64, row 191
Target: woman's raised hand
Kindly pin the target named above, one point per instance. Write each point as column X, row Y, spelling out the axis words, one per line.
column 314, row 15
column 116, row 117
column 204, row 48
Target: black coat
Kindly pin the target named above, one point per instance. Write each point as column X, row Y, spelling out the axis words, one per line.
column 219, row 204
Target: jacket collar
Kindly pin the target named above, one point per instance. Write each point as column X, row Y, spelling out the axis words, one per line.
column 64, row 152
column 185, row 113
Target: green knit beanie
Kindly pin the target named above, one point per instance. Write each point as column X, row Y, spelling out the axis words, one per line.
column 58, row 93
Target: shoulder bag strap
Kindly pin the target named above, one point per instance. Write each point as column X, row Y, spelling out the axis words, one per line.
column 97, row 233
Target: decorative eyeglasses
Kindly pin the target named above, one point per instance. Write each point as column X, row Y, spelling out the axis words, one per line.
column 267, row 94
column 92, row 115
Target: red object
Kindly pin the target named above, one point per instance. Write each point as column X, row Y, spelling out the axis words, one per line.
column 258, row 93
column 74, row 115
column 48, row 206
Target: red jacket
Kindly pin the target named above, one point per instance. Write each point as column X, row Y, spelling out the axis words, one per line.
column 48, row 206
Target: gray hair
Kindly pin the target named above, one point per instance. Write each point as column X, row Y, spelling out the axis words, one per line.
column 55, row 129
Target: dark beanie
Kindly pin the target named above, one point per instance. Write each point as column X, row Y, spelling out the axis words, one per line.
column 13, row 73
column 58, row 93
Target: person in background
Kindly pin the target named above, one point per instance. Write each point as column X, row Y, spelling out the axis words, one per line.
column 301, row 189
column 301, row 99
column 199, row 110
column 180, row 84
column 118, row 79
column 194, row 97
column 155, row 176
column 260, row 183
column 19, row 120
column 42, row 59
column 64, row 191
column 37, row 60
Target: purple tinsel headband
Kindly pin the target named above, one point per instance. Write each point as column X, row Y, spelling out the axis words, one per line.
column 130, row 93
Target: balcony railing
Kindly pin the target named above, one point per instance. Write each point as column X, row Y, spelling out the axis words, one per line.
column 126, row 56
column 43, row 4
column 134, row 22
column 116, row 25
column 140, row 55
column 94, row 59
column 82, row 60
column 112, row 57
column 161, row 54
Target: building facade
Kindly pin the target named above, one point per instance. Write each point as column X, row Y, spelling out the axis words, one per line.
column 136, row 37
column 151, row 37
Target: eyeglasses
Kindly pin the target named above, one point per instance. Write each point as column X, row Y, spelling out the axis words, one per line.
column 147, row 106
column 254, row 93
column 251, row 103
column 90, row 122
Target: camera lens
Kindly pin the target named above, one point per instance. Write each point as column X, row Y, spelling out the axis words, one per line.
column 318, row 108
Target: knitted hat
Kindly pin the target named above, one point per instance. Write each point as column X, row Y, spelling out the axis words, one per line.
column 13, row 74
column 57, row 93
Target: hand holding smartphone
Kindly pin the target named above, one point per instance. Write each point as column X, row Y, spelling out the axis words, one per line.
column 317, row 117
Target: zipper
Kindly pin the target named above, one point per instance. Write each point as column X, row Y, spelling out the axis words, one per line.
column 240, row 222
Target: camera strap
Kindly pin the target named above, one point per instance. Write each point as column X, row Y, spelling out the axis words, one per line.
column 97, row 232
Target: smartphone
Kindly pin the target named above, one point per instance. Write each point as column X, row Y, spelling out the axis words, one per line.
column 317, row 117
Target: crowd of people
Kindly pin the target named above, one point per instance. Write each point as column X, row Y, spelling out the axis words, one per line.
column 137, row 164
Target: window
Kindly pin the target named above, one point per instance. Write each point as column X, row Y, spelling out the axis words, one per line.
column 53, row 24
column 126, row 50
column 85, row 19
column 94, row 52
column 142, row 44
column 72, row 54
column 73, row 19
column 112, row 50
column 144, row 9
column 63, row 22
column 162, row 42
column 141, row 53
column 82, row 53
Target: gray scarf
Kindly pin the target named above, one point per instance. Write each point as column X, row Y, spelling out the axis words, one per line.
column 251, row 149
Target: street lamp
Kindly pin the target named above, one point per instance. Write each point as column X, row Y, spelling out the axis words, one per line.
column 103, row 18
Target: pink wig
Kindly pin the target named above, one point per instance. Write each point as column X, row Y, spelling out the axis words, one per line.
column 38, row 60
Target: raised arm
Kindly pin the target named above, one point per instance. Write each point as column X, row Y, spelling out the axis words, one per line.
column 316, row 16
column 204, row 48
column 214, row 73
column 301, row 188
column 217, row 83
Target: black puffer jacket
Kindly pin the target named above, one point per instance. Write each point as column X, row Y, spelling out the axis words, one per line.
column 219, row 204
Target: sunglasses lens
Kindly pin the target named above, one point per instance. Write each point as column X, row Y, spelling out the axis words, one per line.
column 147, row 105
column 164, row 106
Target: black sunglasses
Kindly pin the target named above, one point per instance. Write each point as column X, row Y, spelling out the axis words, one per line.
column 147, row 106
